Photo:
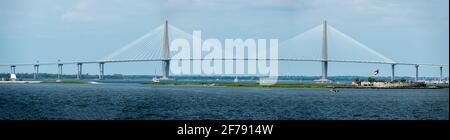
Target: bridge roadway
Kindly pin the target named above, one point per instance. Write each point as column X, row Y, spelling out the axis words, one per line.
column 102, row 62
column 200, row 59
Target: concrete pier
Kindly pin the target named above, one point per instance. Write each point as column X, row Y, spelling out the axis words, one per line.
column 393, row 72
column 80, row 71
column 324, row 71
column 417, row 73
column 440, row 74
column 13, row 69
column 36, row 72
column 60, row 68
column 102, row 69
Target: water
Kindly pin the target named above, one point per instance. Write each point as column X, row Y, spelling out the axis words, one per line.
column 165, row 102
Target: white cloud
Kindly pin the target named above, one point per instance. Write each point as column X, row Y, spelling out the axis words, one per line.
column 72, row 16
column 365, row 12
column 89, row 10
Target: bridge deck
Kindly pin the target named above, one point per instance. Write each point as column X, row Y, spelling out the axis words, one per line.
column 201, row 59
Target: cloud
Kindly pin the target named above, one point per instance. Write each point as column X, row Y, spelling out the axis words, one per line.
column 363, row 12
column 89, row 10
column 73, row 16
column 225, row 5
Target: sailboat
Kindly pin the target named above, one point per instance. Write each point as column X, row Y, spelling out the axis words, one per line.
column 236, row 79
column 155, row 79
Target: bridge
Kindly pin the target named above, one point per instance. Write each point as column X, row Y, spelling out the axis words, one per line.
column 165, row 58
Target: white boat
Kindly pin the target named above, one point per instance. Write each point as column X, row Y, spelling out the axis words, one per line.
column 236, row 79
column 155, row 79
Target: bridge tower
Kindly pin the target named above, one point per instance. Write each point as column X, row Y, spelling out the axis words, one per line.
column 166, row 51
column 324, row 77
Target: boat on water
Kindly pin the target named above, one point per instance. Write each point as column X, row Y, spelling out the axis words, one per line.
column 334, row 90
column 155, row 79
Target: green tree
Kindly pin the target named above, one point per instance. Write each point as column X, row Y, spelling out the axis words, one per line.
column 402, row 80
column 370, row 79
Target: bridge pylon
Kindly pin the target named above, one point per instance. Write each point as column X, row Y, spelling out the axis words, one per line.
column 324, row 77
column 166, row 52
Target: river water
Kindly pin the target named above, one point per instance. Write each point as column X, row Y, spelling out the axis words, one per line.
column 119, row 101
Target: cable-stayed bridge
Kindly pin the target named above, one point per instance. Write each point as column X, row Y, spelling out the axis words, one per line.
column 154, row 46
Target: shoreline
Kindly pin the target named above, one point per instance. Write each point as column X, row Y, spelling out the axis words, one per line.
column 286, row 85
column 68, row 82
column 232, row 84
column 46, row 82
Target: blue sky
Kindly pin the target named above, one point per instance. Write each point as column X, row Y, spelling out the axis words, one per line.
column 47, row 30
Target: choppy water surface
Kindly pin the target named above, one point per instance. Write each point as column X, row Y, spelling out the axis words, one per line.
column 155, row 102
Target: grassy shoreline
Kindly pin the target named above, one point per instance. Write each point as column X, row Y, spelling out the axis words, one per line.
column 283, row 85
column 66, row 82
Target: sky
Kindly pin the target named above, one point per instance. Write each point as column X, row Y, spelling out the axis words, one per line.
column 46, row 30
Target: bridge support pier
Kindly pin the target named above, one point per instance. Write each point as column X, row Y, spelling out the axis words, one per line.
column 393, row 72
column 417, row 73
column 324, row 71
column 36, row 72
column 60, row 68
column 165, row 66
column 102, row 68
column 13, row 69
column 440, row 74
column 80, row 69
